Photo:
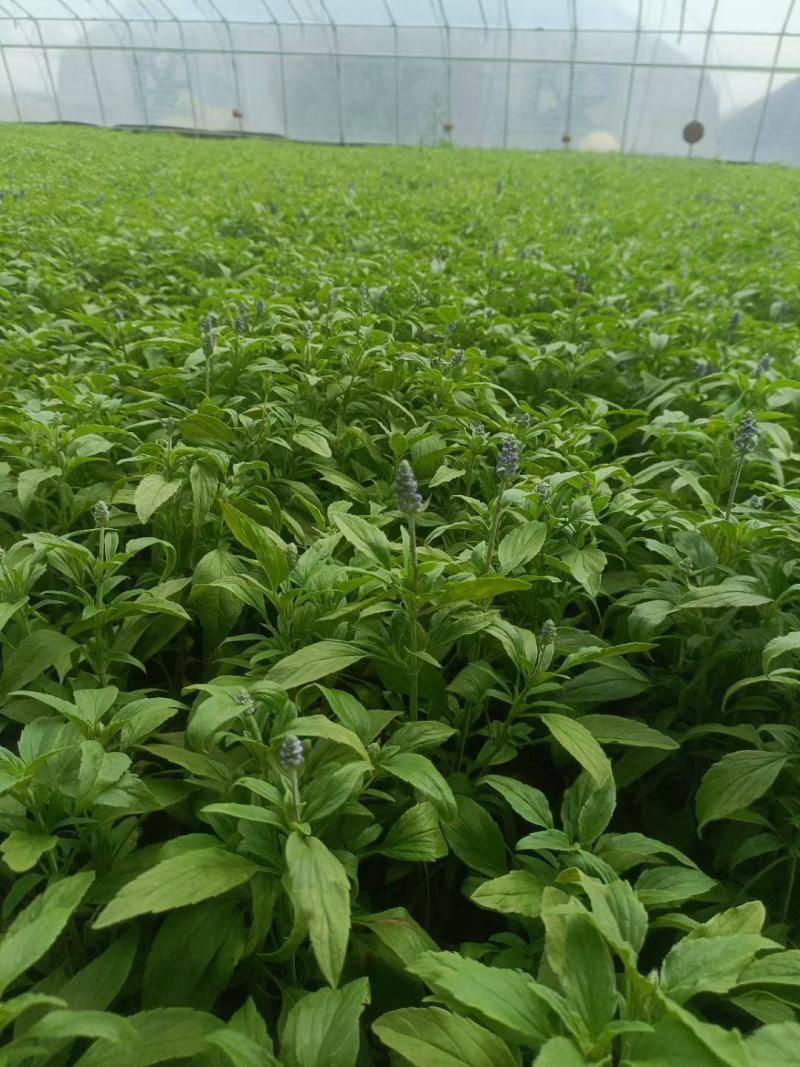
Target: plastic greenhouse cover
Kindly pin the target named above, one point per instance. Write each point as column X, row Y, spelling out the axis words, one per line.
column 603, row 74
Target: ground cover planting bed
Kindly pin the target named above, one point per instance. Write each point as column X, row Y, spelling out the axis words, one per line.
column 400, row 607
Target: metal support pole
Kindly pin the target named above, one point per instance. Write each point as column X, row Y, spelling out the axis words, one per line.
column 188, row 70
column 90, row 54
column 7, row 69
column 771, row 80
column 393, row 21
column 282, row 68
column 704, row 66
column 449, row 67
column 135, row 57
column 573, row 51
column 634, row 61
column 46, row 57
column 234, row 65
column 335, row 33
column 507, row 102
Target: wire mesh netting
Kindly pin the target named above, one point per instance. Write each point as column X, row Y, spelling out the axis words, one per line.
column 623, row 75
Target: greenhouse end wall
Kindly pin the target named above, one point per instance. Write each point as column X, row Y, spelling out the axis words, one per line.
column 620, row 89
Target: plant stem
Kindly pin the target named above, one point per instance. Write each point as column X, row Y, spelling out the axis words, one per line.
column 498, row 508
column 734, row 486
column 412, row 618
column 295, row 794
column 789, row 888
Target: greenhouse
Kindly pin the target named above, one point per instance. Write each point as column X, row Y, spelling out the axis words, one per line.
column 627, row 75
column 399, row 533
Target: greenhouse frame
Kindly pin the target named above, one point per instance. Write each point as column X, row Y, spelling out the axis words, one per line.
column 535, row 74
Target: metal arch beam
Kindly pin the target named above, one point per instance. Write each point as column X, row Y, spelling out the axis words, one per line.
column 449, row 67
column 234, row 65
column 90, row 54
column 393, row 23
column 136, row 69
column 338, row 60
column 771, row 80
column 7, row 69
column 704, row 65
column 634, row 60
column 507, row 103
column 282, row 69
column 46, row 56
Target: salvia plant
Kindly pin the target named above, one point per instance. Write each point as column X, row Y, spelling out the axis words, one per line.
column 399, row 631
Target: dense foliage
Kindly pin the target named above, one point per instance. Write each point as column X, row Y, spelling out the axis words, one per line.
column 400, row 607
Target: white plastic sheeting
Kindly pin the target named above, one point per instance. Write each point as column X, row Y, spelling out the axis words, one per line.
column 619, row 75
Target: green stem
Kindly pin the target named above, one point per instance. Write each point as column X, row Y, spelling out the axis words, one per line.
column 498, row 509
column 734, row 486
column 295, row 794
column 789, row 888
column 412, row 618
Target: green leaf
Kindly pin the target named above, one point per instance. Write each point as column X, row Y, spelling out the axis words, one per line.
column 477, row 589
column 314, row 662
column 187, row 878
column 193, row 955
column 738, row 591
column 320, row 891
column 586, row 567
column 23, row 849
column 735, row 782
column 367, row 538
column 151, row 492
column 515, row 893
column 560, row 1052
column 616, row 730
column 662, row 886
column 314, row 440
column 779, row 646
column 774, row 1045
column 29, row 481
column 246, row 812
column 476, row 839
column 445, row 474
column 497, row 997
column 319, row 726
column 415, row 836
column 162, row 1034
column 590, row 988
column 780, row 970
column 708, row 965
column 322, row 1028
column 521, row 545
column 529, row 803
column 396, row 929
column 680, row 1040
column 420, row 773
column 34, row 654
column 66, row 1025
column 580, row 744
column 619, row 916
column 35, row 929
column 98, row 983
column 241, row 1050
column 218, row 608
column 432, row 1037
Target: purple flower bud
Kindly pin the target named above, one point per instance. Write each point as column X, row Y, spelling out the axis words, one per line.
column 746, row 436
column 290, row 754
column 508, row 457
column 406, row 489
